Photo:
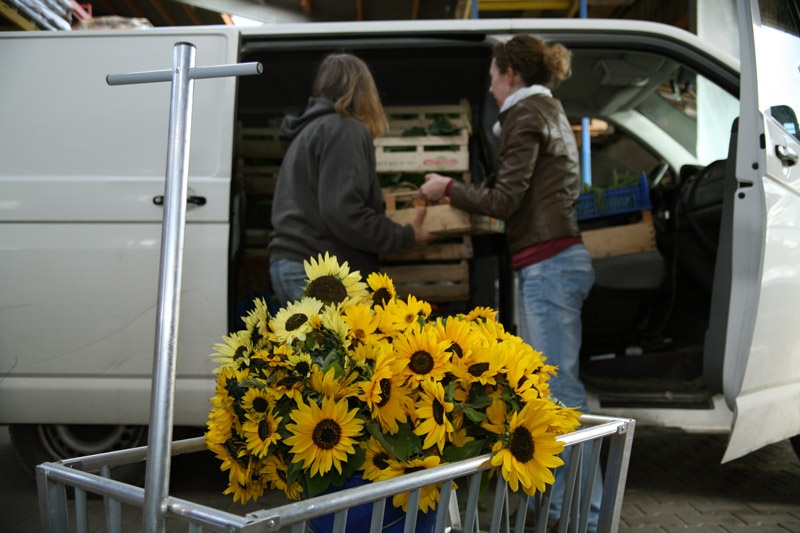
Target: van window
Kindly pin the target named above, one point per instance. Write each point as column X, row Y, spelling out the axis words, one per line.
column 690, row 108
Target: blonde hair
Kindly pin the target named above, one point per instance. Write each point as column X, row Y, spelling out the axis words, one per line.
column 534, row 60
column 346, row 80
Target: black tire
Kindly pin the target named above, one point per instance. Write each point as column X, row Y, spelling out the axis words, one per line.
column 796, row 445
column 39, row 443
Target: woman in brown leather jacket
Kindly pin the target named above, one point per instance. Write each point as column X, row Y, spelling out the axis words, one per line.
column 537, row 185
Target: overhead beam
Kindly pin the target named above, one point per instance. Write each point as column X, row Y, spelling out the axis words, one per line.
column 251, row 10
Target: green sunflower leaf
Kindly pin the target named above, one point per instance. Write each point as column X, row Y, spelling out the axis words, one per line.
column 402, row 445
column 474, row 414
column 451, row 454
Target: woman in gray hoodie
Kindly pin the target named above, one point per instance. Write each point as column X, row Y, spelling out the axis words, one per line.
column 328, row 198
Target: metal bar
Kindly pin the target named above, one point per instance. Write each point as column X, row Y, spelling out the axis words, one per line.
column 81, row 511
column 592, row 468
column 411, row 512
column 497, row 510
column 619, row 454
column 471, row 517
column 573, row 469
column 446, row 495
column 169, row 290
column 93, row 463
column 195, row 73
column 378, row 509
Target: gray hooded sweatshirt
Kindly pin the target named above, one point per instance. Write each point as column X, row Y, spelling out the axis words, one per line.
column 328, row 198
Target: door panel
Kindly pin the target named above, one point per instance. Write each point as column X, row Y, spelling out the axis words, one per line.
column 80, row 234
column 761, row 376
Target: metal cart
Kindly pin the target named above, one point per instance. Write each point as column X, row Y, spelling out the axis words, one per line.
column 92, row 474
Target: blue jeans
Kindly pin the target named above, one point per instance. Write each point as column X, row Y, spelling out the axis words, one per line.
column 288, row 280
column 550, row 298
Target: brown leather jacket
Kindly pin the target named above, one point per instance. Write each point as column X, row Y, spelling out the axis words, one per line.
column 538, row 181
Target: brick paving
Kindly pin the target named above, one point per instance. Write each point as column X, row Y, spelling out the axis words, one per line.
column 675, row 483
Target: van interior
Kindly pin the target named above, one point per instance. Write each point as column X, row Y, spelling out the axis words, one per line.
column 646, row 319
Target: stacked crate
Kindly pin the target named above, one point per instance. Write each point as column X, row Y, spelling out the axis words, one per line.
column 259, row 152
column 439, row 272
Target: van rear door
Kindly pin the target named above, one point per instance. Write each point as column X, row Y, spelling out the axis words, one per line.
column 761, row 370
column 81, row 163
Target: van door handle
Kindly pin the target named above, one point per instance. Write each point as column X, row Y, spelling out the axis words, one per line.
column 194, row 200
column 786, row 154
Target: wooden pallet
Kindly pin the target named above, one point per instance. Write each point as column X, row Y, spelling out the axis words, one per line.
column 441, row 220
column 435, row 273
column 621, row 240
column 404, row 118
column 423, row 154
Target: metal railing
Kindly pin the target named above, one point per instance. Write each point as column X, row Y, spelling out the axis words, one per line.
column 508, row 511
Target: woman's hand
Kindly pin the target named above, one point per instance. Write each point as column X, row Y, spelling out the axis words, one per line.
column 421, row 235
column 434, row 186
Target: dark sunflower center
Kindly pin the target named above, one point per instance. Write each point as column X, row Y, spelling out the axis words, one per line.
column 438, row 412
column 380, row 460
column 522, row 445
column 359, row 333
column 326, row 434
column 302, row 368
column 410, row 318
column 386, row 391
column 260, row 405
column 421, row 362
column 234, row 389
column 240, row 352
column 456, row 349
column 327, row 289
column 264, row 430
column 255, row 336
column 478, row 369
column 295, row 321
column 381, row 296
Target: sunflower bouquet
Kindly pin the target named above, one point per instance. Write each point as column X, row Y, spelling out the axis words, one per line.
column 354, row 380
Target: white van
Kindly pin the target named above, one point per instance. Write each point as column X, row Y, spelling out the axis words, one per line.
column 697, row 332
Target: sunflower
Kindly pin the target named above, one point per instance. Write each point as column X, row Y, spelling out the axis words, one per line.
column 361, row 323
column 459, row 333
column 482, row 364
column 429, row 496
column 327, row 384
column 323, row 437
column 250, row 487
column 496, row 416
column 423, row 356
column 432, row 410
column 300, row 364
column 406, row 314
column 293, row 321
column 275, row 470
column 378, row 464
column 257, row 323
column 332, row 283
column 479, row 314
column 531, row 451
column 382, row 288
column 220, row 424
column 234, row 352
column 256, row 403
column 387, row 399
column 261, row 433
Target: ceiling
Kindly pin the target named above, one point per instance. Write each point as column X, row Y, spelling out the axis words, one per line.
column 206, row 12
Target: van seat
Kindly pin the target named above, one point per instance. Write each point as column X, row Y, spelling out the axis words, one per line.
column 633, row 271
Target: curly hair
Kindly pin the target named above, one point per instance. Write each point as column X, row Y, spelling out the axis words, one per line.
column 534, row 60
column 346, row 80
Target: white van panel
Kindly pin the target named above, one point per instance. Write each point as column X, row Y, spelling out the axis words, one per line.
column 81, row 235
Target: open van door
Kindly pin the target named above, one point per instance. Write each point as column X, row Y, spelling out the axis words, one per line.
column 761, row 369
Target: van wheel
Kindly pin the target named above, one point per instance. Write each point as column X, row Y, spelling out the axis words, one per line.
column 796, row 445
column 39, row 443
